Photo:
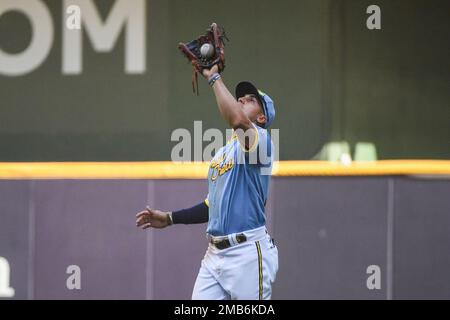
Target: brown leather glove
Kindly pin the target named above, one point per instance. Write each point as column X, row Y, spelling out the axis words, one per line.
column 205, row 52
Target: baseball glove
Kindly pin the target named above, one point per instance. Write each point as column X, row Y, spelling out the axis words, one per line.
column 205, row 52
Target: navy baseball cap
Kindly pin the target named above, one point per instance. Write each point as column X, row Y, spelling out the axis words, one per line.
column 246, row 87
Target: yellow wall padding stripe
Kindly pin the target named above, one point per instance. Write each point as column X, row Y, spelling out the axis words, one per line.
column 103, row 170
column 199, row 170
column 381, row 167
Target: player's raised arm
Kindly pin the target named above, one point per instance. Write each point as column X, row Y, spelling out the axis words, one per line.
column 231, row 110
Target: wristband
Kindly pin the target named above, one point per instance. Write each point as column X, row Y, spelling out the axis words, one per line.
column 213, row 79
column 169, row 219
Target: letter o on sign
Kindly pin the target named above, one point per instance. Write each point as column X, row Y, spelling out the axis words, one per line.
column 41, row 40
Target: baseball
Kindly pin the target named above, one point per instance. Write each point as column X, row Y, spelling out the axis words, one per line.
column 206, row 50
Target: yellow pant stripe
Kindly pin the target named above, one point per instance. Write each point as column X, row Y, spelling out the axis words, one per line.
column 258, row 248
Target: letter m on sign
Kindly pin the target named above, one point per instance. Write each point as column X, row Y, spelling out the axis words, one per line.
column 125, row 14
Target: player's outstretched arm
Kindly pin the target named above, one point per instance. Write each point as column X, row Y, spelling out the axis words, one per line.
column 152, row 218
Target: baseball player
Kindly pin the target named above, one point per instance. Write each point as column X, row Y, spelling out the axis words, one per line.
column 241, row 261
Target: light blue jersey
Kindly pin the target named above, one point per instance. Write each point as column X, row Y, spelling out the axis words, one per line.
column 238, row 185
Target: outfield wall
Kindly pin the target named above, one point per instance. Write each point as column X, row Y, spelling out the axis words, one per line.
column 329, row 230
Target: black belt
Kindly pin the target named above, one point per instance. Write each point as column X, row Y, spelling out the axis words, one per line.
column 225, row 243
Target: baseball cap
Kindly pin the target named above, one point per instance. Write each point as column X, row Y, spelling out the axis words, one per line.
column 246, row 87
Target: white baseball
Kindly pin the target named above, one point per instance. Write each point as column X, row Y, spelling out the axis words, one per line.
column 206, row 50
